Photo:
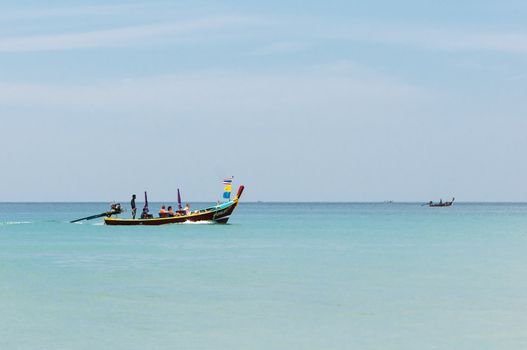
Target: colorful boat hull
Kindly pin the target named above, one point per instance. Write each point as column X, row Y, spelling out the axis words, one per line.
column 218, row 214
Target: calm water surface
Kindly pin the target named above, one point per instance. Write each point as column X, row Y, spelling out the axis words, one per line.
column 280, row 276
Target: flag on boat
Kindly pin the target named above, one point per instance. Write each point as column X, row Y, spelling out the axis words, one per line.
column 228, row 188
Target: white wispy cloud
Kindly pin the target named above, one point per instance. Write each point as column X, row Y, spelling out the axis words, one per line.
column 424, row 37
column 215, row 94
column 456, row 40
column 279, row 48
column 117, row 37
column 279, row 36
column 58, row 12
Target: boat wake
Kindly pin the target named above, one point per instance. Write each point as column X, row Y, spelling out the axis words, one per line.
column 14, row 222
column 188, row 222
column 89, row 223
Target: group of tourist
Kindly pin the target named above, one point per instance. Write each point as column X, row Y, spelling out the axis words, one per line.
column 163, row 213
column 169, row 212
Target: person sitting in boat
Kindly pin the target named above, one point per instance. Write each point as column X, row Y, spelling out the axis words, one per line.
column 145, row 214
column 187, row 209
column 170, row 212
column 163, row 212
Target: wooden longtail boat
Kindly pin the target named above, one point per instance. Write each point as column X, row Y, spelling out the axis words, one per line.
column 441, row 204
column 219, row 214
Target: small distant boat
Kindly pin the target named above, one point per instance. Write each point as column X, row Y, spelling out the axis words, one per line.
column 441, row 203
column 218, row 214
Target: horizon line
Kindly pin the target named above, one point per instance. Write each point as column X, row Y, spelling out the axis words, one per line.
column 265, row 202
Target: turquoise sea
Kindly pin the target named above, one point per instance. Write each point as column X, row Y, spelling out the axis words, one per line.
column 279, row 276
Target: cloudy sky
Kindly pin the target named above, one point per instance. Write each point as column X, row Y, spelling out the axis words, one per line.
column 299, row 100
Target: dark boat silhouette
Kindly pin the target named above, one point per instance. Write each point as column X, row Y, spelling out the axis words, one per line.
column 441, row 203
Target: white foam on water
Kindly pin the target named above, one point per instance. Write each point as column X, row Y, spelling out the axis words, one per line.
column 15, row 222
column 188, row 222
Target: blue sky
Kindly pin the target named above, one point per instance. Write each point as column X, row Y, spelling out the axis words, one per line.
column 300, row 100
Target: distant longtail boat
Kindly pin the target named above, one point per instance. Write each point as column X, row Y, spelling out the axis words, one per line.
column 441, row 203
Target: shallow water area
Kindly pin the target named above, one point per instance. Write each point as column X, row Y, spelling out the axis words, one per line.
column 280, row 276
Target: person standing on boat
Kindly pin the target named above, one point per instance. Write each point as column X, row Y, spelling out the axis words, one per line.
column 187, row 209
column 134, row 208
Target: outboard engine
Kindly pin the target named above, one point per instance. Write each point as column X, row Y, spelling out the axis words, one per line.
column 116, row 209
